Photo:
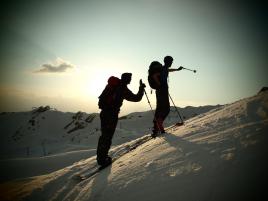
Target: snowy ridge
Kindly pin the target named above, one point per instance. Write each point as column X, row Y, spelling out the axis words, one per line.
column 45, row 140
column 47, row 132
column 218, row 155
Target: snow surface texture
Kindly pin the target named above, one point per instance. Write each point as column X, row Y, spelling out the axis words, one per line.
column 218, row 155
column 43, row 140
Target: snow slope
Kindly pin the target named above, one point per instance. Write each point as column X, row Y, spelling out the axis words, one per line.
column 219, row 155
column 42, row 133
column 43, row 140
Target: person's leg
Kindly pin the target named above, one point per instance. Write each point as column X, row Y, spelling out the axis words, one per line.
column 164, row 107
column 157, row 115
column 108, row 126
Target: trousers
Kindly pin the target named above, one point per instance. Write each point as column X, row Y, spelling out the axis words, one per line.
column 109, row 121
column 162, row 108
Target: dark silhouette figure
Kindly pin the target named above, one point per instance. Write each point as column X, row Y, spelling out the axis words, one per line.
column 110, row 102
column 162, row 95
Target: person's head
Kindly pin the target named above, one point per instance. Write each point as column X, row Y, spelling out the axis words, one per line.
column 126, row 78
column 168, row 61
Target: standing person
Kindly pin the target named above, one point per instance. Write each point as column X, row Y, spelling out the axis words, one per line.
column 162, row 95
column 110, row 102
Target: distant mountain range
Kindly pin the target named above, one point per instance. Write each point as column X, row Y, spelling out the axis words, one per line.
column 45, row 131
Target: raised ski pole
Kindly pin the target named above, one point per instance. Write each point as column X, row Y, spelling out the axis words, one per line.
column 189, row 69
column 179, row 123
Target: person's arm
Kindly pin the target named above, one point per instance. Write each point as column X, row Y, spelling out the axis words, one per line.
column 173, row 69
column 129, row 96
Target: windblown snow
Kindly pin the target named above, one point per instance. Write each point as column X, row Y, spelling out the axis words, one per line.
column 217, row 155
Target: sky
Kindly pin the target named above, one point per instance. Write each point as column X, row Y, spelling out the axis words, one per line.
column 61, row 53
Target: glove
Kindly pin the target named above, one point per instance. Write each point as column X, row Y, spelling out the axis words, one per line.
column 180, row 68
column 142, row 85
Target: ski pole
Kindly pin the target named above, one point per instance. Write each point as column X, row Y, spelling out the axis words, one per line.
column 152, row 110
column 176, row 108
column 148, row 101
column 189, row 69
column 147, row 97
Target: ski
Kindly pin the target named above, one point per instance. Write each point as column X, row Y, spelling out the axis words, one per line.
column 175, row 126
column 78, row 176
column 122, row 150
column 170, row 128
column 117, row 153
column 88, row 173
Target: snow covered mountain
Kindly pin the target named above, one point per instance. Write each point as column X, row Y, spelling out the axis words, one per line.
column 44, row 132
column 217, row 155
column 45, row 140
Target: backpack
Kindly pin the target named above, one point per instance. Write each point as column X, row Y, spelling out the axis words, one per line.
column 155, row 67
column 108, row 97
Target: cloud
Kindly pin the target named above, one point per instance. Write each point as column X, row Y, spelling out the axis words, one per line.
column 59, row 66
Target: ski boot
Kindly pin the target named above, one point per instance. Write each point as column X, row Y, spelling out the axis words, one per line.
column 105, row 162
column 155, row 133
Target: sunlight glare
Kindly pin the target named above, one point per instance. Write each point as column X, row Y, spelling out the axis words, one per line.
column 98, row 80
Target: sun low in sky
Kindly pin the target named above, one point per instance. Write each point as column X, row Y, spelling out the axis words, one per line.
column 61, row 53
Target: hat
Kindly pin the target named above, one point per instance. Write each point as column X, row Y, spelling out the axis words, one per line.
column 126, row 77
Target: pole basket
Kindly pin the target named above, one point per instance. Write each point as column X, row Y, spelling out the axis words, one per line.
column 179, row 124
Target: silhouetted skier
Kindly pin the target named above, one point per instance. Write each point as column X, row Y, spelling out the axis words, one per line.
column 162, row 95
column 110, row 102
